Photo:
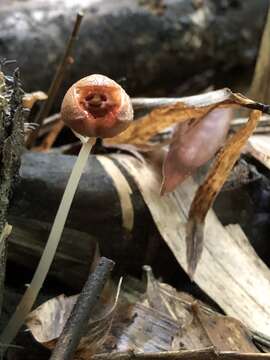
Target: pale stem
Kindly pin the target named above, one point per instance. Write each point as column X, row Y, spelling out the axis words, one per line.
column 47, row 257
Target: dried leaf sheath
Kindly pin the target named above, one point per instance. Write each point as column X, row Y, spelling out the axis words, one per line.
column 207, row 192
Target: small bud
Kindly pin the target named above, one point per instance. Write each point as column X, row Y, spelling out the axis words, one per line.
column 97, row 106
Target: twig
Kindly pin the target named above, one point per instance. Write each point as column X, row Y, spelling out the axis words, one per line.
column 57, row 80
column 78, row 320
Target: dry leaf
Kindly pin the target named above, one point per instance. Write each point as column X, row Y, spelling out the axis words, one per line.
column 200, row 325
column 207, row 192
column 230, row 278
column 193, row 144
column 164, row 319
column 48, row 320
column 139, row 327
column 193, row 107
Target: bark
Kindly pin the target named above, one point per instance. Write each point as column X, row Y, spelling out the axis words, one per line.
column 170, row 41
column 73, row 259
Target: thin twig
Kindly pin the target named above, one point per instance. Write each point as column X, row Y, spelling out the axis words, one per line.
column 57, row 80
column 77, row 323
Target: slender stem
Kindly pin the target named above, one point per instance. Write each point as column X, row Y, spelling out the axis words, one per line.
column 57, row 80
column 77, row 323
column 45, row 262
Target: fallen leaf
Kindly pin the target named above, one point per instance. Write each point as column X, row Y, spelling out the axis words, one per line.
column 207, row 192
column 48, row 320
column 230, row 277
column 164, row 319
column 193, row 144
column 200, row 325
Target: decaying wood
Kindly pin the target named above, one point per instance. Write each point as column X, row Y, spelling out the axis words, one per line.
column 167, row 41
column 73, row 258
column 232, row 277
column 96, row 211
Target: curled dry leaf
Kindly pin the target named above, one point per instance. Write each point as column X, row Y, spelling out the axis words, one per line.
column 193, row 144
column 192, row 107
column 207, row 192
